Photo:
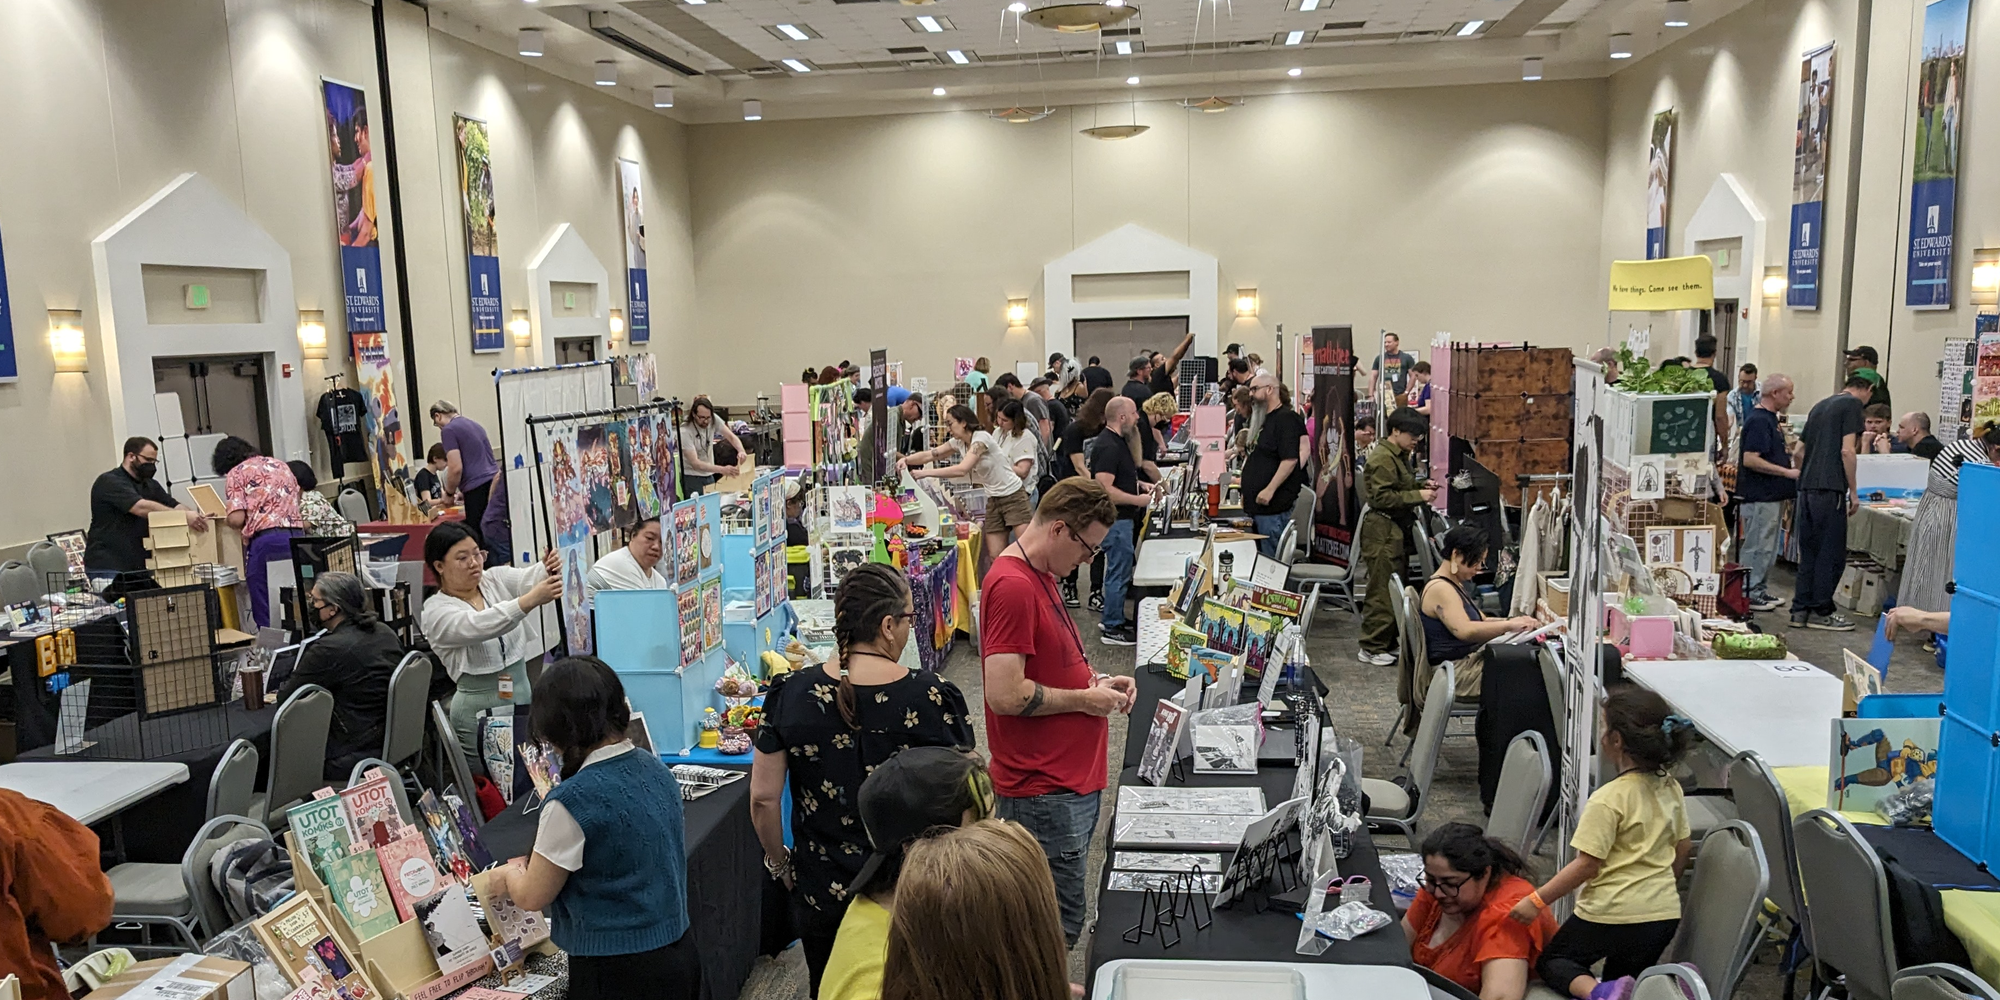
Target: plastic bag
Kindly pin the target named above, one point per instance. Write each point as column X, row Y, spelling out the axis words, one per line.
column 1310, row 942
column 1909, row 804
column 1406, row 873
column 240, row 943
column 1351, row 920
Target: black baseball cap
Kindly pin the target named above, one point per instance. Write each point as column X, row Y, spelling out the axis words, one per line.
column 1864, row 353
column 913, row 792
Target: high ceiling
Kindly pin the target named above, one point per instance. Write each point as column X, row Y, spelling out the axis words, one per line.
column 881, row 56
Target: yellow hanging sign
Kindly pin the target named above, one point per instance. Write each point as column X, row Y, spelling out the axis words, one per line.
column 1663, row 285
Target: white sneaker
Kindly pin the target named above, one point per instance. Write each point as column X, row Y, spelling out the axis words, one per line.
column 1375, row 659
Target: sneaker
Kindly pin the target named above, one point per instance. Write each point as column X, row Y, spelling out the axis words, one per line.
column 1617, row 989
column 1830, row 623
column 1766, row 603
column 1096, row 602
column 1798, row 620
column 1121, row 635
column 1376, row 659
column 1069, row 594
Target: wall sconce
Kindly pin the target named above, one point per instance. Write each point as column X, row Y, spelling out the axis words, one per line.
column 66, row 340
column 1986, row 277
column 1775, row 283
column 1017, row 312
column 1246, row 302
column 617, row 322
column 519, row 327
column 312, row 334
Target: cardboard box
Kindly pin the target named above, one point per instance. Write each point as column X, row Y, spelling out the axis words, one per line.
column 225, row 979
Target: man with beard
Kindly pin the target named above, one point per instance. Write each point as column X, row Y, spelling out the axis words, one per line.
column 121, row 502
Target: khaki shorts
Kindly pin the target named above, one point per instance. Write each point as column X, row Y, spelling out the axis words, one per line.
column 1006, row 513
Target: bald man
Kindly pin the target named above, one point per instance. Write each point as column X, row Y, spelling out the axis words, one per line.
column 1608, row 358
column 1914, row 431
column 1764, row 481
column 1272, row 472
column 1114, row 467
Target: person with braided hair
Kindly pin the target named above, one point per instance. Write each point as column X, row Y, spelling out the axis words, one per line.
column 1458, row 925
column 825, row 728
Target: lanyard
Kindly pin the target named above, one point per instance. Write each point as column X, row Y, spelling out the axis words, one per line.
column 1055, row 602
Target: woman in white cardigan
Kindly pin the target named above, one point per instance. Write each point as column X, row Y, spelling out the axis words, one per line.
column 475, row 624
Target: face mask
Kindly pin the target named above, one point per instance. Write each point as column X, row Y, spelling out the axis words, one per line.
column 146, row 470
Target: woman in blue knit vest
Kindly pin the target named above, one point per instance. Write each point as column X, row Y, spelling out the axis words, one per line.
column 608, row 865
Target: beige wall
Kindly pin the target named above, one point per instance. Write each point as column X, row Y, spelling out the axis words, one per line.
column 108, row 100
column 1469, row 209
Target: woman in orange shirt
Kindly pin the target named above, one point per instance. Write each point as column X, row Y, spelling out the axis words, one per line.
column 1458, row 926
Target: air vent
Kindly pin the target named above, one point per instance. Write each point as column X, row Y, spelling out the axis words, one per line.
column 765, row 71
column 602, row 26
column 1118, row 32
column 909, row 50
column 1422, row 34
column 1345, row 25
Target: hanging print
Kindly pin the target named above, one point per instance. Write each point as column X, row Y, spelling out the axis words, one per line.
column 354, row 205
column 1934, row 174
column 633, row 209
column 1333, row 444
column 575, row 600
column 1659, row 181
column 618, row 455
column 644, row 483
column 384, row 426
column 482, row 242
column 568, row 495
column 1811, row 147
column 594, row 466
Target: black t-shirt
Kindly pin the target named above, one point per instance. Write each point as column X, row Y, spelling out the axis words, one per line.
column 1108, row 453
column 1138, row 392
column 1279, row 440
column 1927, row 447
column 1071, row 443
column 1720, row 380
column 1059, row 418
column 1830, row 420
column 116, row 541
column 340, row 412
column 1163, row 380
column 427, row 483
column 1149, row 445
column 1763, row 438
column 1097, row 377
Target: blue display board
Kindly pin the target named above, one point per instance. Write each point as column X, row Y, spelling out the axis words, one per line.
column 1968, row 776
column 638, row 634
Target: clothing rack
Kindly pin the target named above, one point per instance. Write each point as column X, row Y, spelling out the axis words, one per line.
column 497, row 372
column 663, row 404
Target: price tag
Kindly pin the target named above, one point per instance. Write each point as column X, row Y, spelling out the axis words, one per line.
column 1792, row 668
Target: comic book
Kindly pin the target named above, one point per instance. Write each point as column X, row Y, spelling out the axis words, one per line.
column 355, row 882
column 320, row 828
column 1260, row 639
column 372, row 816
column 468, row 830
column 1182, row 640
column 452, row 930
column 442, row 829
column 1212, row 662
column 1223, row 625
column 412, row 875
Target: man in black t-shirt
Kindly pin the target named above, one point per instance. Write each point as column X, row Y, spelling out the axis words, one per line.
column 1828, row 493
column 1272, row 473
column 1138, row 380
column 1095, row 376
column 120, row 502
column 1764, row 482
column 1165, row 365
column 1112, row 466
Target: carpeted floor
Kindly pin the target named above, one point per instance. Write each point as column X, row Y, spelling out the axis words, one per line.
column 1362, row 701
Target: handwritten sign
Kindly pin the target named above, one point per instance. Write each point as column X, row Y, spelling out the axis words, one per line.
column 1679, row 425
column 1662, row 285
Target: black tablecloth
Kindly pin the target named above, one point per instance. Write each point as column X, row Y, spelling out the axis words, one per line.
column 1236, row 934
column 735, row 911
column 1927, row 857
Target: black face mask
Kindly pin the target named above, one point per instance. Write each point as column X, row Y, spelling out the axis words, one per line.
column 146, row 470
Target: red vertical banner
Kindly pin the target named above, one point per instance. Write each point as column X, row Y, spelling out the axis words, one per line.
column 1335, row 477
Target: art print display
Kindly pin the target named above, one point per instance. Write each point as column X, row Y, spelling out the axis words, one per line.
column 594, row 471
column 10, row 366
column 1812, row 147
column 708, row 533
column 711, row 614
column 645, row 485
column 1162, row 742
column 376, row 378
column 760, row 589
column 847, row 509
column 961, row 368
column 1338, row 510
column 564, row 482
column 352, row 149
column 1659, row 182
column 1934, row 167
column 878, row 386
column 618, row 461
column 1874, row 758
column 1961, row 359
column 482, row 240
column 297, row 937
column 511, row 923
column 577, row 634
column 632, row 207
column 688, row 607
column 687, row 553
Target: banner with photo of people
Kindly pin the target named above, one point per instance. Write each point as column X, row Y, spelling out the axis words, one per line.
column 354, row 205
column 482, row 240
column 632, row 207
column 1811, row 148
column 375, row 376
column 1934, row 166
column 1335, row 476
column 1659, row 182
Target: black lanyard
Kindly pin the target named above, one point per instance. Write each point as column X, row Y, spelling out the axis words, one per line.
column 1055, row 601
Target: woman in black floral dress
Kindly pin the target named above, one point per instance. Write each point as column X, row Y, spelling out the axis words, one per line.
column 825, row 728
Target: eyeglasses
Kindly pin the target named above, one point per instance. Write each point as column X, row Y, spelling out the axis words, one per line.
column 1443, row 888
column 1089, row 550
column 476, row 557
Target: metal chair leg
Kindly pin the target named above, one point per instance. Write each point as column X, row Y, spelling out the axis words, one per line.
column 1312, row 607
column 1396, row 726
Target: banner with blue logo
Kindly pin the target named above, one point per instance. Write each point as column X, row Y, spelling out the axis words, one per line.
column 633, row 209
column 10, row 366
column 1934, row 170
column 354, row 205
column 1811, row 147
column 1659, row 183
column 482, row 241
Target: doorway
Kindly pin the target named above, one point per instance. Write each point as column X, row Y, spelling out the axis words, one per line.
column 573, row 350
column 219, row 394
column 1721, row 323
column 1115, row 342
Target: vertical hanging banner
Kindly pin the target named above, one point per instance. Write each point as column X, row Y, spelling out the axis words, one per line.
column 387, row 445
column 1810, row 149
column 878, row 386
column 1934, row 170
column 354, row 205
column 1659, row 182
column 1333, row 445
column 482, row 240
column 637, row 327
column 10, row 366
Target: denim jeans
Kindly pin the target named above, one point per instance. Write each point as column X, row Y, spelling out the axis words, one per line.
column 1759, row 522
column 1062, row 823
column 1117, row 550
column 1820, row 517
column 1270, row 526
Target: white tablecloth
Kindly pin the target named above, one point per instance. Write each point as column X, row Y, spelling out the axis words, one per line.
column 1780, row 708
column 91, row 791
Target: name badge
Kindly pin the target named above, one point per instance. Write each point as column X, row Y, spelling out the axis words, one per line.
column 507, row 686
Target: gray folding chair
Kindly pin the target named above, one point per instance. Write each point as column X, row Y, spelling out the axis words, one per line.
column 1416, row 642
column 454, row 754
column 1288, row 544
column 409, row 690
column 360, row 774
column 1849, row 890
column 1940, row 981
column 1761, row 802
column 18, row 583
column 1670, row 982
column 1401, row 806
column 1302, row 521
column 47, row 560
column 214, row 835
column 1312, row 578
column 1719, row 920
column 353, row 506
column 1523, row 790
column 234, row 784
column 1427, row 549
column 298, row 754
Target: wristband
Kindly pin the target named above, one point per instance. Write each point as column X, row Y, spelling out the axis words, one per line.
column 1536, row 897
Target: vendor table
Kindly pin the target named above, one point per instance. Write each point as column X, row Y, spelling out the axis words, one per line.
column 1160, row 562
column 1779, row 708
column 735, row 911
column 1377, row 982
column 91, row 791
column 1882, row 531
column 1236, row 934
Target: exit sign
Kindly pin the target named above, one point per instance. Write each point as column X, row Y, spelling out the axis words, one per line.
column 197, row 296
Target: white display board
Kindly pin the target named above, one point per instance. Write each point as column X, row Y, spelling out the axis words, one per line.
column 531, row 392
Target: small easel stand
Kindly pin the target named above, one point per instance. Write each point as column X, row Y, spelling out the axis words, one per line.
column 1262, row 872
column 1164, row 906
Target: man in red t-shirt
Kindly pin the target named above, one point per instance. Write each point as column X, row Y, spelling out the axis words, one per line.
column 1046, row 708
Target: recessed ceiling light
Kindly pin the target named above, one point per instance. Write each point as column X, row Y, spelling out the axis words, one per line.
column 663, row 96
column 937, row 91
column 607, row 73
column 1471, row 28
column 1677, row 13
column 1114, row 3
column 1531, row 68
column 753, row 111
column 1124, row 47
column 929, row 23
column 1295, row 71
column 1621, row 45
column 530, row 41
column 796, row 66
column 792, row 32
column 1017, row 7
column 1294, row 37
column 695, row 3
column 1308, row 4
column 957, row 57
column 1131, row 81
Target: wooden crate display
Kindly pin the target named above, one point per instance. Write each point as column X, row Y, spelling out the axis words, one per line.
column 1513, row 405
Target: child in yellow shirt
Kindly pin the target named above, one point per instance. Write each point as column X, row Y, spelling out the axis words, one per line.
column 1631, row 845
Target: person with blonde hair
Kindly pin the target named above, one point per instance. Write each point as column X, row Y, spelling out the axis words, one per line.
column 976, row 917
